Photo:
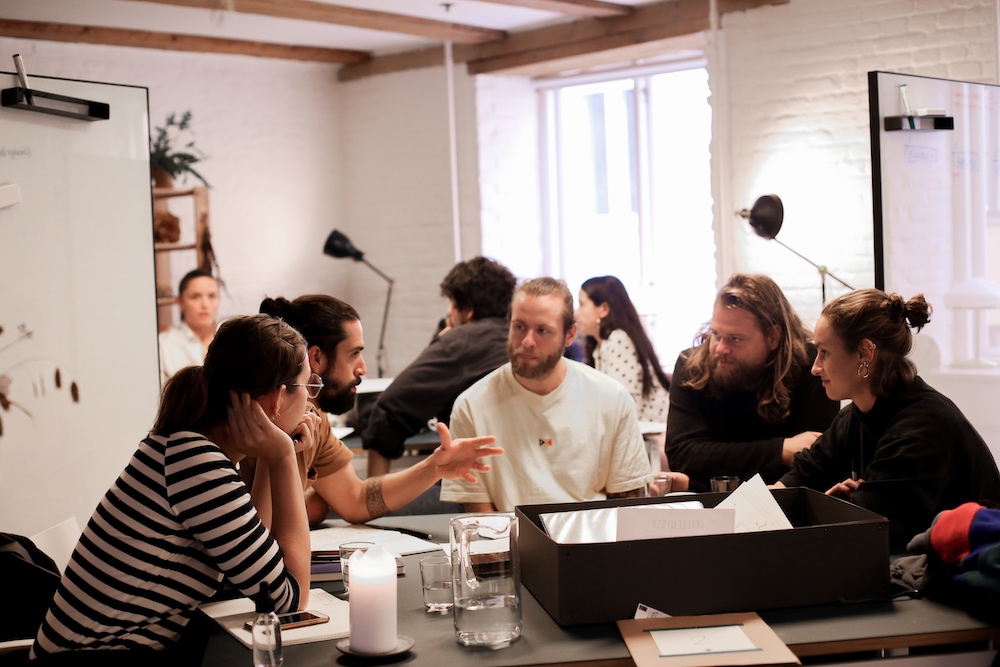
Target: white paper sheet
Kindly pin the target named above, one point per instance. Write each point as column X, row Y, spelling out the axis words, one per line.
column 702, row 641
column 393, row 541
column 650, row 522
column 756, row 508
column 233, row 615
column 594, row 525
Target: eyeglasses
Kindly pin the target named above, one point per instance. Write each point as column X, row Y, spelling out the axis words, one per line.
column 313, row 387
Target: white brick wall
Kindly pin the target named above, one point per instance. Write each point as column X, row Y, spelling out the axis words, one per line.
column 294, row 154
column 509, row 173
column 797, row 121
column 398, row 206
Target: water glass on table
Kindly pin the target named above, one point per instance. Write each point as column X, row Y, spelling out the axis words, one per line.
column 435, row 576
column 725, row 483
column 661, row 484
column 346, row 550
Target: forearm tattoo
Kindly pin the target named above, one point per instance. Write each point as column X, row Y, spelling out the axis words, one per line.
column 374, row 502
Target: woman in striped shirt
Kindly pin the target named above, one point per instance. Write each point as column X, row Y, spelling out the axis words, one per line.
column 179, row 522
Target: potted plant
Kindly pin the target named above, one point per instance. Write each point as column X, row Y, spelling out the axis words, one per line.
column 169, row 153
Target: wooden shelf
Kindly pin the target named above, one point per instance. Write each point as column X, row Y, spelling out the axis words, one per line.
column 170, row 247
column 167, row 193
column 919, row 123
column 164, row 280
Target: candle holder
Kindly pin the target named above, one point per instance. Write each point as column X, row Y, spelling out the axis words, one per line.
column 403, row 644
column 373, row 607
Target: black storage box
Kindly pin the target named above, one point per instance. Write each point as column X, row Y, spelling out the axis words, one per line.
column 835, row 551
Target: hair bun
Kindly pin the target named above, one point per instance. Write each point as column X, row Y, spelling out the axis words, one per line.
column 896, row 307
column 274, row 307
column 918, row 312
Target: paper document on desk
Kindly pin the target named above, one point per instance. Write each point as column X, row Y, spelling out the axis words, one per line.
column 653, row 522
column 233, row 615
column 756, row 508
column 594, row 525
column 393, row 541
column 714, row 640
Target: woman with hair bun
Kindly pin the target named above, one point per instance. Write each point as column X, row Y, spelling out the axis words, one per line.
column 902, row 450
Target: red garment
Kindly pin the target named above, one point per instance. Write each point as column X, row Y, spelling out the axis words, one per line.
column 950, row 533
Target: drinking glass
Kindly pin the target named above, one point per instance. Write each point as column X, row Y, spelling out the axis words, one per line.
column 346, row 550
column 435, row 576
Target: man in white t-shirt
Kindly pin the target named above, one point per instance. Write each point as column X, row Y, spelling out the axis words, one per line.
column 569, row 432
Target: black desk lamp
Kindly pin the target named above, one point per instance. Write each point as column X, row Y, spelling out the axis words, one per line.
column 765, row 217
column 338, row 245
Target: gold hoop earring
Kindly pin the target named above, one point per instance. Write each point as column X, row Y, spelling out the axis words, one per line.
column 864, row 367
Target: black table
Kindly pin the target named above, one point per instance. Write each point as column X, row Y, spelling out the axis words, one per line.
column 812, row 631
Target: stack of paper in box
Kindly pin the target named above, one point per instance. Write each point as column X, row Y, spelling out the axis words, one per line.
column 750, row 508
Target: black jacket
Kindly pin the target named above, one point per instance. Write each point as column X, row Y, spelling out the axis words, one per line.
column 709, row 435
column 916, row 452
column 428, row 387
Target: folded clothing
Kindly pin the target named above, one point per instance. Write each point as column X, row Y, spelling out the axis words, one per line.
column 962, row 547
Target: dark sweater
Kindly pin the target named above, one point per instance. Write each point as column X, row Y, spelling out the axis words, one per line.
column 428, row 387
column 709, row 435
column 916, row 452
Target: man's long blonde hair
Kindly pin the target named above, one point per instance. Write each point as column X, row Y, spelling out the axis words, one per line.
column 761, row 297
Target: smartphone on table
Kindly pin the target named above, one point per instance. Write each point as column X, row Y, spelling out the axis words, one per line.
column 297, row 619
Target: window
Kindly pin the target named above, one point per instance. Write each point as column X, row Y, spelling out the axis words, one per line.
column 629, row 194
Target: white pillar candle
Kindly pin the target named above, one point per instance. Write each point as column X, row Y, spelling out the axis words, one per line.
column 373, row 601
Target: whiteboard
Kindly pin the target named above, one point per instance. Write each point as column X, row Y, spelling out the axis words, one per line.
column 935, row 194
column 936, row 215
column 78, row 346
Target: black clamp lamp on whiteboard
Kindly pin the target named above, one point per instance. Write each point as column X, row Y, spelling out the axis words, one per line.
column 766, row 217
column 57, row 105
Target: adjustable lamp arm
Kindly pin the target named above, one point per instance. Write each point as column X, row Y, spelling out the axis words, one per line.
column 380, row 356
column 766, row 217
column 822, row 269
column 339, row 246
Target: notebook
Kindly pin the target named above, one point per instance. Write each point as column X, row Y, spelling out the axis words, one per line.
column 328, row 569
column 233, row 615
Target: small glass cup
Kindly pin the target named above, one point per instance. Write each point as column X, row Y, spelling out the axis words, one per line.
column 435, row 576
column 725, row 483
column 346, row 550
column 661, row 484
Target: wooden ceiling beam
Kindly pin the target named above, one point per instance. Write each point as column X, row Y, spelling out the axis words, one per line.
column 307, row 10
column 64, row 32
column 399, row 62
column 648, row 23
column 578, row 8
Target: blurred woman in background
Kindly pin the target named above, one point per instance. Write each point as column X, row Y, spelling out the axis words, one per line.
column 617, row 345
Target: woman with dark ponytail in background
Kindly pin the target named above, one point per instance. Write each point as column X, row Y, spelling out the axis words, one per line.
column 617, row 345
column 902, row 450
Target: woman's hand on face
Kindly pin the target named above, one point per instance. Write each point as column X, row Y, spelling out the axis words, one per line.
column 253, row 433
column 458, row 458
column 306, row 434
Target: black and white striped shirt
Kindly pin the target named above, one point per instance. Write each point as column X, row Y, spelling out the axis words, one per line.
column 176, row 522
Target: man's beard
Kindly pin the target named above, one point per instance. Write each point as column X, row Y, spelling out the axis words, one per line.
column 531, row 370
column 740, row 376
column 336, row 399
